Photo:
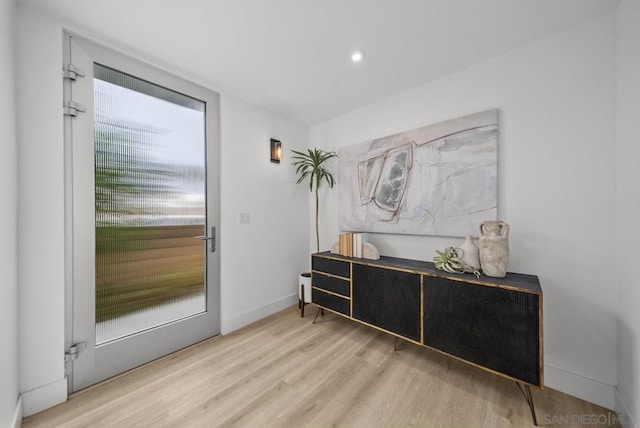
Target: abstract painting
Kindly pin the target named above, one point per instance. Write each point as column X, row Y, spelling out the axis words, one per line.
column 439, row 180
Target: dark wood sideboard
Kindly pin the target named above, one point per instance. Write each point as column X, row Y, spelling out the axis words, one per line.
column 491, row 323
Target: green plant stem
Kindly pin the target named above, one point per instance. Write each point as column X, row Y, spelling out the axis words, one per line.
column 317, row 230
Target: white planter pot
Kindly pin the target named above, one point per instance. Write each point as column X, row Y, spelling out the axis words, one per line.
column 304, row 283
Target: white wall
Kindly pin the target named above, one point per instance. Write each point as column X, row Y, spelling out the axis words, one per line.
column 8, row 218
column 41, row 209
column 259, row 261
column 556, row 184
column 628, row 207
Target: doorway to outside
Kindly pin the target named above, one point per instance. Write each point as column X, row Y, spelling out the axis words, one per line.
column 142, row 211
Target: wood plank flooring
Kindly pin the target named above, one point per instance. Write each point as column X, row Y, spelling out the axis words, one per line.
column 284, row 371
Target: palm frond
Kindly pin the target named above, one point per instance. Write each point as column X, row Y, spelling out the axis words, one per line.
column 310, row 165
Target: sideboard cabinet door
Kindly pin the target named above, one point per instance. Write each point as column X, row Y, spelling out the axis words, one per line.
column 493, row 327
column 387, row 298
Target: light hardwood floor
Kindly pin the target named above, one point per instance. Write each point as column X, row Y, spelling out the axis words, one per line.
column 284, row 371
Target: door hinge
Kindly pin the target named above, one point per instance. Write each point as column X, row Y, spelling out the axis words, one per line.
column 72, row 108
column 74, row 350
column 71, row 72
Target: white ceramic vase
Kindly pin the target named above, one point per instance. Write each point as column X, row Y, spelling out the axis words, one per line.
column 470, row 253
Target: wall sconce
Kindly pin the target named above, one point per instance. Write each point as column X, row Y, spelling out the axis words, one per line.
column 276, row 151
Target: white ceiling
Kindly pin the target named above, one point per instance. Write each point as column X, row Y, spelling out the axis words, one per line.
column 292, row 56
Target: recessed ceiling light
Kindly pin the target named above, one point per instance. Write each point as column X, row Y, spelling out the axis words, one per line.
column 357, row 56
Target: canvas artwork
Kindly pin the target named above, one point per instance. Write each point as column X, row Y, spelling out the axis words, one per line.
column 436, row 180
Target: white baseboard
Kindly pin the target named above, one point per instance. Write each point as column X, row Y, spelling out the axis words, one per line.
column 228, row 325
column 42, row 398
column 627, row 418
column 17, row 415
column 584, row 388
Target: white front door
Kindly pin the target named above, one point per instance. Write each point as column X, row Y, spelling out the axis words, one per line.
column 142, row 212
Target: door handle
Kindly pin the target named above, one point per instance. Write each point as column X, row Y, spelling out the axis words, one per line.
column 211, row 238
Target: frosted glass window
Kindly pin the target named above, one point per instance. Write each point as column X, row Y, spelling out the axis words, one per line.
column 150, row 196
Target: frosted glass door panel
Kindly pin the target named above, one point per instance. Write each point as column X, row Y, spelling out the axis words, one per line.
column 150, row 197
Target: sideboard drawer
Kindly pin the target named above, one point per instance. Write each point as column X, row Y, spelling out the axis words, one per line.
column 331, row 301
column 333, row 284
column 334, row 267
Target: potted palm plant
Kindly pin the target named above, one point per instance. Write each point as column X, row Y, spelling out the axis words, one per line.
column 311, row 165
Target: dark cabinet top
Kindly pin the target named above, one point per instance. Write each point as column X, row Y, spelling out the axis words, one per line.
column 514, row 281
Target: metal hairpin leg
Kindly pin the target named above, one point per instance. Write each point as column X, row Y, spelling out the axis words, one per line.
column 526, row 391
column 396, row 343
column 319, row 311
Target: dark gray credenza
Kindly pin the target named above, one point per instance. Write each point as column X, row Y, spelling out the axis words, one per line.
column 491, row 323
